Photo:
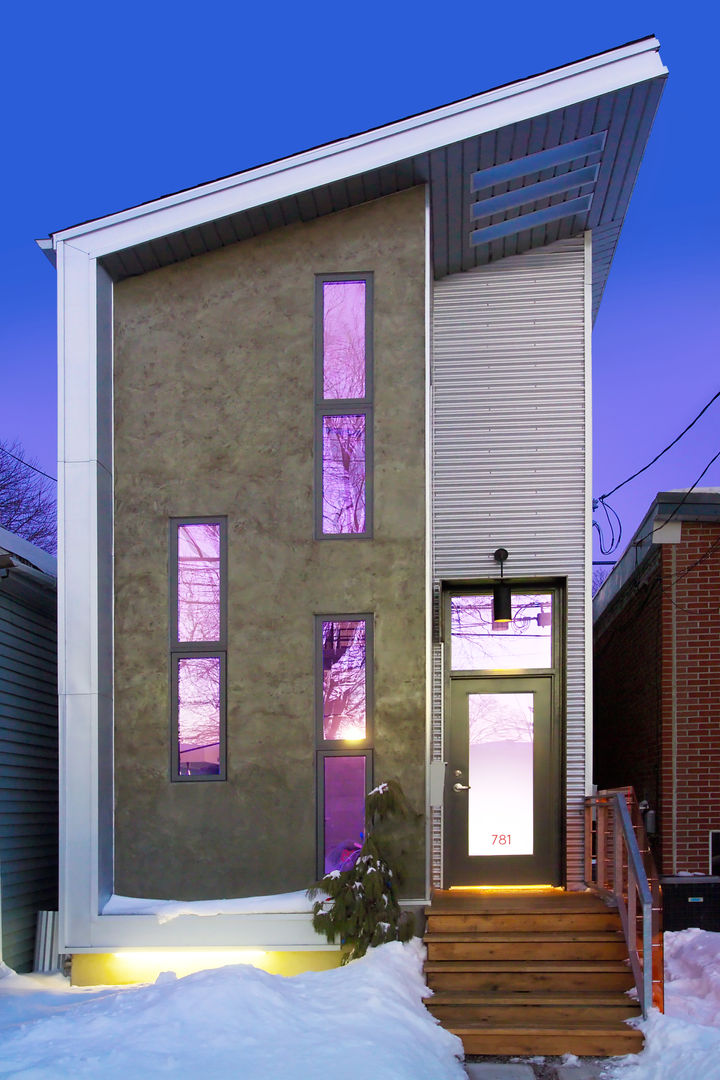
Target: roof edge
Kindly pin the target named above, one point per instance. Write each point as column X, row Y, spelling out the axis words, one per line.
column 680, row 505
column 628, row 64
column 29, row 553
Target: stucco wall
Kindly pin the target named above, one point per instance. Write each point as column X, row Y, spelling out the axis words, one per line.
column 213, row 398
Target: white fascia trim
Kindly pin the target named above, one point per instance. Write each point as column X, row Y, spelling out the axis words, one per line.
column 588, row 519
column 371, row 150
column 428, row 538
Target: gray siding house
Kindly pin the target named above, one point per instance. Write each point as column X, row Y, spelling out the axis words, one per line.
column 305, row 410
column 28, row 745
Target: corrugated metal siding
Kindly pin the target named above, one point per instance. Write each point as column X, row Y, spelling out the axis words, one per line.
column 509, row 446
column 28, row 770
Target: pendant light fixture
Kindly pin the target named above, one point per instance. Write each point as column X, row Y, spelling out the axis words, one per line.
column 502, row 600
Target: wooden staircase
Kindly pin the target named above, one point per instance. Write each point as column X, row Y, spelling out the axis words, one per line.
column 536, row 972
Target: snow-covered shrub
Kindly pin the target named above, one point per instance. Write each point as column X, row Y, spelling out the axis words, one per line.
column 358, row 906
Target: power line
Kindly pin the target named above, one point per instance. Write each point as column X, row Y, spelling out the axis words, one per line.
column 614, row 540
column 27, row 464
column 668, row 447
column 683, row 500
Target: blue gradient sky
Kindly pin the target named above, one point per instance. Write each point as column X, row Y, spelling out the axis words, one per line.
column 108, row 106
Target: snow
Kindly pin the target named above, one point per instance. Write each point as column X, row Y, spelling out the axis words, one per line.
column 365, row 1021
column 684, row 1042
column 291, row 903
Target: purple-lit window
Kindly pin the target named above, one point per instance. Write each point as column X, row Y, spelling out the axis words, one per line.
column 478, row 643
column 198, row 715
column 344, row 781
column 198, row 553
column 198, row 647
column 343, row 405
column 343, row 325
column 343, row 474
column 344, row 679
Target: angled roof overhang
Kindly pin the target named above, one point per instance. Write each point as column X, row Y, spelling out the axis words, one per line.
column 514, row 168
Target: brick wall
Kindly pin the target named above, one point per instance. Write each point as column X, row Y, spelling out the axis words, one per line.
column 694, row 605
column 669, row 609
column 627, row 676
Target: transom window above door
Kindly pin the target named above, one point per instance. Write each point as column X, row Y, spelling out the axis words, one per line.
column 479, row 644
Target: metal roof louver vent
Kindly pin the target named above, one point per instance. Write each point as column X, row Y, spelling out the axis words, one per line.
column 572, row 181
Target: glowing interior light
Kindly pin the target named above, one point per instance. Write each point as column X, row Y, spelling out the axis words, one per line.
column 344, row 679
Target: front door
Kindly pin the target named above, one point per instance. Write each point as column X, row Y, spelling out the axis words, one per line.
column 503, row 746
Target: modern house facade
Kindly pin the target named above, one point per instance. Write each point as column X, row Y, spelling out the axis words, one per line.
column 657, row 685
column 303, row 409
column 28, row 745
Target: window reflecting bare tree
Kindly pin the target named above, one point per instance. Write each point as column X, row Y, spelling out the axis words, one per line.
column 343, row 505
column 344, row 679
column 478, row 643
column 199, row 714
column 199, row 582
column 343, row 339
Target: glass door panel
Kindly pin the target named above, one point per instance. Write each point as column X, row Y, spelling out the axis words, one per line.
column 500, row 774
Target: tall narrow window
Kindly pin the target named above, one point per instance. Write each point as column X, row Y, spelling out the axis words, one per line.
column 198, row 647
column 343, row 397
column 343, row 649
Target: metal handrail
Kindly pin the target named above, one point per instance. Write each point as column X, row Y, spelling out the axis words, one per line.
column 623, row 871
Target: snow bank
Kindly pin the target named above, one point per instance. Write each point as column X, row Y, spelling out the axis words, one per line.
column 365, row 1021
column 684, row 1043
column 292, row 903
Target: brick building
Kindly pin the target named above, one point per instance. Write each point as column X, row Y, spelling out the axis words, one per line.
column 657, row 678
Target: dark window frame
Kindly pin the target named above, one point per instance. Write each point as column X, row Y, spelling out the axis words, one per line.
column 520, row 585
column 344, row 406
column 365, row 752
column 188, row 650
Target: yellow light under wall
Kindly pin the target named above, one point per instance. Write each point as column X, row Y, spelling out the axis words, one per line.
column 144, row 965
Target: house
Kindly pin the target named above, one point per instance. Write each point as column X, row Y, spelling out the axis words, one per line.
column 306, row 412
column 28, row 745
column 657, row 692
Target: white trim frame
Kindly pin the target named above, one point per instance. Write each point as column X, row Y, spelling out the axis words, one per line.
column 588, row 520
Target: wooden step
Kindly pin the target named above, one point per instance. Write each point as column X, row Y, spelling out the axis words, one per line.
column 573, row 1009
column 530, row 972
column 550, row 945
column 554, row 901
column 499, row 922
column 511, row 976
column 599, row 1040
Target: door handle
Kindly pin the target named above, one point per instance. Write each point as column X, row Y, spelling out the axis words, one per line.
column 461, row 787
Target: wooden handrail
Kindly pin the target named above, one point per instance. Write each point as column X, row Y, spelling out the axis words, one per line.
column 619, row 865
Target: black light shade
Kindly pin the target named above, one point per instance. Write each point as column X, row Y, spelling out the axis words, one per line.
column 502, row 605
